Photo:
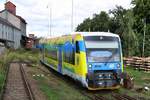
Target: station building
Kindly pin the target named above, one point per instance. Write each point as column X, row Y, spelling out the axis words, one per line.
column 12, row 27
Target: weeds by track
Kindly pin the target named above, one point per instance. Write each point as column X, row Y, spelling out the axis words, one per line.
column 5, row 80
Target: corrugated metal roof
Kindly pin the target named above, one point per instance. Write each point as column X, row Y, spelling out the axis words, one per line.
column 22, row 19
column 4, row 21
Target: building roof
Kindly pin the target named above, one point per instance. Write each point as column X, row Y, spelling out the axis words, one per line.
column 23, row 20
column 4, row 21
column 2, row 11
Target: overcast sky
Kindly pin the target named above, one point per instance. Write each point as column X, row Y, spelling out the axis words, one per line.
column 36, row 13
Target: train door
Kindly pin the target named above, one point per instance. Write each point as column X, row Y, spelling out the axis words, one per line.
column 43, row 52
column 60, row 60
column 77, row 53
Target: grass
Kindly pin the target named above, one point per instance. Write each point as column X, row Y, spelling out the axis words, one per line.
column 138, row 76
column 3, row 67
column 140, row 79
column 17, row 55
column 58, row 90
column 2, row 78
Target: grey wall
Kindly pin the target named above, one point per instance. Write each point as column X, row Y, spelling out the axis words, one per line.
column 12, row 28
column 10, row 33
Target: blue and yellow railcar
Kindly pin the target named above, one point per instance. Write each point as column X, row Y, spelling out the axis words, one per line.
column 93, row 58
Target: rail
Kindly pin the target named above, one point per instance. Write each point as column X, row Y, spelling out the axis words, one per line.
column 27, row 85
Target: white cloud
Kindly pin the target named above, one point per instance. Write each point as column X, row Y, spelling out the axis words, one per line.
column 36, row 13
column 1, row 5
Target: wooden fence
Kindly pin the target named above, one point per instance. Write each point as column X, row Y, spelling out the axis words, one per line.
column 138, row 63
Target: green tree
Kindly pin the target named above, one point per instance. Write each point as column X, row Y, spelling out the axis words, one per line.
column 129, row 36
column 99, row 22
column 141, row 12
column 123, row 20
column 85, row 26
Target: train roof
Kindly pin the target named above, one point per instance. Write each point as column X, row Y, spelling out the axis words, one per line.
column 69, row 37
column 96, row 34
column 85, row 34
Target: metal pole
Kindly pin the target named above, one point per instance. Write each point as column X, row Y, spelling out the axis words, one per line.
column 144, row 38
column 50, row 20
column 72, row 17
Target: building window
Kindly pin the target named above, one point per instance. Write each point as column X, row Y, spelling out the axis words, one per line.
column 2, row 33
column 6, row 35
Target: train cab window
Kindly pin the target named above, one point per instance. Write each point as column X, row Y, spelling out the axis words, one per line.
column 77, row 47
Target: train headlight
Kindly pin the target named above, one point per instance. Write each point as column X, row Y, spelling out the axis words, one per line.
column 100, row 75
column 118, row 66
column 100, row 83
column 90, row 66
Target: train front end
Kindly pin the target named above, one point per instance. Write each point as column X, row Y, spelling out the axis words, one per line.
column 104, row 62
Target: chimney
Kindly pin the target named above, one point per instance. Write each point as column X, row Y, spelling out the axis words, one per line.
column 9, row 6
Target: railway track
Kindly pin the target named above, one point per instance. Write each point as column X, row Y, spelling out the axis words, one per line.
column 93, row 96
column 16, row 86
column 119, row 96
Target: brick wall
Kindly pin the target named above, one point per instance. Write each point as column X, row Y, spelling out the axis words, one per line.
column 10, row 7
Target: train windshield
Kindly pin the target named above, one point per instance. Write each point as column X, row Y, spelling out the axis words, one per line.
column 102, row 49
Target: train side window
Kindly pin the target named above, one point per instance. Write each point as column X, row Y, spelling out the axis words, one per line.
column 77, row 47
column 51, row 53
